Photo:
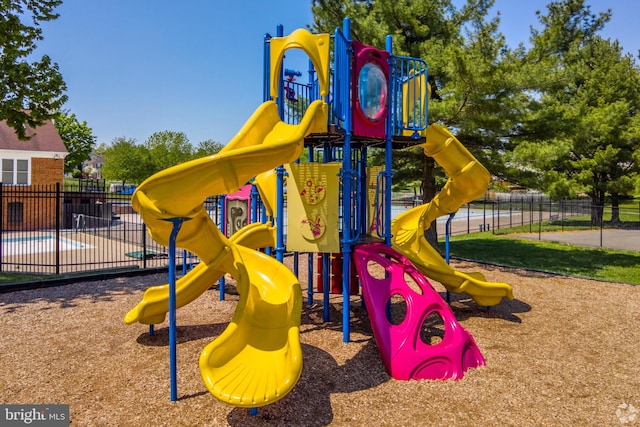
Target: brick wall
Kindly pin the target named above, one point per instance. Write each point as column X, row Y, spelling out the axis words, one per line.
column 47, row 171
column 33, row 207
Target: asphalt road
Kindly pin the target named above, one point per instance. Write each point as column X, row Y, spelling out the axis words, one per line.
column 626, row 240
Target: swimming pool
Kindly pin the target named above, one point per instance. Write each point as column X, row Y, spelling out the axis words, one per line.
column 20, row 245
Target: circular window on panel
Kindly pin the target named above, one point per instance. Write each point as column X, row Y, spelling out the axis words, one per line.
column 372, row 91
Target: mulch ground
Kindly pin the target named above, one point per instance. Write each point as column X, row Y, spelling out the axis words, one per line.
column 565, row 352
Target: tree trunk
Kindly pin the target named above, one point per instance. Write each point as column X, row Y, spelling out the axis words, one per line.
column 429, row 191
column 597, row 207
column 615, row 209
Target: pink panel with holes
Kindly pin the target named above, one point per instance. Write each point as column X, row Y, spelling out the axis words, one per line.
column 404, row 352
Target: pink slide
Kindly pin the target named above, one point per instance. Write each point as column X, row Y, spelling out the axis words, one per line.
column 405, row 354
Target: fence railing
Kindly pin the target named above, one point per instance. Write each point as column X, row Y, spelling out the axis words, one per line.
column 51, row 230
column 48, row 230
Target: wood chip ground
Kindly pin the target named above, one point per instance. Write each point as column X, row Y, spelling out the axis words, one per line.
column 565, row 352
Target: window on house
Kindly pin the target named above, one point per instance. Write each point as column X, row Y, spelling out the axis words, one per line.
column 7, row 171
column 15, row 172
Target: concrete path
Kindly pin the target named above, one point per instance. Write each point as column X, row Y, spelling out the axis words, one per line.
column 626, row 240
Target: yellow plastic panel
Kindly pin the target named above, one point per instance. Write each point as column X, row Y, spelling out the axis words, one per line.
column 312, row 207
column 314, row 45
column 372, row 219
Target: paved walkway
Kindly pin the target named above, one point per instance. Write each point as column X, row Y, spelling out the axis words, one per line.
column 626, row 240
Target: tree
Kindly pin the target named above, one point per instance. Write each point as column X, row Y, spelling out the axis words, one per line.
column 168, row 148
column 78, row 139
column 30, row 92
column 124, row 160
column 589, row 99
column 207, row 148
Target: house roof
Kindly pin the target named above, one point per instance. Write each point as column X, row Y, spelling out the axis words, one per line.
column 45, row 138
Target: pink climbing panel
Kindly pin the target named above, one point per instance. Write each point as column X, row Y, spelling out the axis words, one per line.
column 405, row 354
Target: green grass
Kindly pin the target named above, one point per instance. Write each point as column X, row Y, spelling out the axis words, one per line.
column 21, row 277
column 572, row 260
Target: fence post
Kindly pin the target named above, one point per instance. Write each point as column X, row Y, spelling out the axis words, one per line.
column 468, row 218
column 1, row 222
column 484, row 210
column 510, row 211
column 144, row 245
column 58, row 195
column 493, row 217
column 540, row 221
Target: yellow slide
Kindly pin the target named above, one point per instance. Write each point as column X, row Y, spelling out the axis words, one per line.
column 468, row 180
column 257, row 359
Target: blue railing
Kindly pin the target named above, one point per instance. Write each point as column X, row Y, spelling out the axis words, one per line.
column 410, row 92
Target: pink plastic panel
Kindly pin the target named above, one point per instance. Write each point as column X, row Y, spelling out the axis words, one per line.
column 405, row 355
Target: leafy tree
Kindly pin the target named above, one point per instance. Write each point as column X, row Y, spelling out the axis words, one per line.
column 168, row 148
column 207, row 148
column 125, row 160
column 30, row 92
column 588, row 99
column 78, row 139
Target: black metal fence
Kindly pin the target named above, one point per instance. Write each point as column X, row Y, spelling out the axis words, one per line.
column 51, row 230
column 501, row 211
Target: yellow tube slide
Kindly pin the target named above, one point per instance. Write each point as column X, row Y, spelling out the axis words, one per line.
column 257, row 359
column 468, row 180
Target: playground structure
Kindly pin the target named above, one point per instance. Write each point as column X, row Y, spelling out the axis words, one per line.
column 336, row 203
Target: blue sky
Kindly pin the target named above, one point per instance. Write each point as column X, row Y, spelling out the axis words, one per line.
column 135, row 67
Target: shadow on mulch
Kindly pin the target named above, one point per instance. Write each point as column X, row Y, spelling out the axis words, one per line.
column 464, row 308
column 321, row 377
column 67, row 295
column 184, row 333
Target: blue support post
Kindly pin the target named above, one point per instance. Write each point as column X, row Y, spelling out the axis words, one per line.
column 280, row 169
column 280, row 213
column 325, row 286
column 347, row 199
column 388, row 157
column 363, row 192
column 446, row 239
column 254, row 204
column 223, row 227
column 184, row 262
column 310, row 279
column 177, row 223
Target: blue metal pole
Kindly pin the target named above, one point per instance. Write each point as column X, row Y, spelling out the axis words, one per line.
column 388, row 157
column 223, row 227
column 280, row 213
column 310, row 279
column 325, row 286
column 446, row 239
column 254, row 204
column 347, row 174
column 177, row 223
column 280, row 169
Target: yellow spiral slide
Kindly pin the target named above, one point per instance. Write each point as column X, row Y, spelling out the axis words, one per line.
column 468, row 180
column 257, row 359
